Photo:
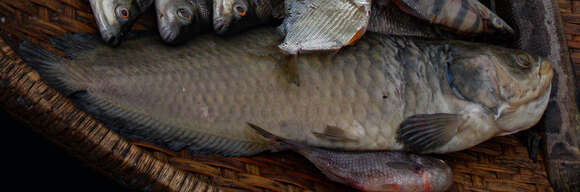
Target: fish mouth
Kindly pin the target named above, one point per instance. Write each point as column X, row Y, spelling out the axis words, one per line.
column 546, row 68
column 221, row 25
column 110, row 39
column 169, row 34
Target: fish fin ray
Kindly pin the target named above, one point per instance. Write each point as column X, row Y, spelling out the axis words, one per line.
column 49, row 66
column 334, row 134
column 278, row 143
column 443, row 127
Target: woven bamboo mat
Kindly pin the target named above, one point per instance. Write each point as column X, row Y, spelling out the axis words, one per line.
column 570, row 10
column 501, row 164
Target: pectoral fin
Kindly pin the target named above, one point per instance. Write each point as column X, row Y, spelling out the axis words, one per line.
column 334, row 134
column 428, row 131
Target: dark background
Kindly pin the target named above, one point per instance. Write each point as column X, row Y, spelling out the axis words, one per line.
column 35, row 163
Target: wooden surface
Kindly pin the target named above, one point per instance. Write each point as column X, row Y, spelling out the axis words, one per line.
column 501, row 164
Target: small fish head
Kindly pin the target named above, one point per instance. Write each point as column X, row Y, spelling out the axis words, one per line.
column 412, row 173
column 437, row 175
column 500, row 25
column 174, row 18
column 116, row 17
column 227, row 12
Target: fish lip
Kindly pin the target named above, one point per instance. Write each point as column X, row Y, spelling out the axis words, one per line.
column 221, row 25
column 170, row 34
column 546, row 68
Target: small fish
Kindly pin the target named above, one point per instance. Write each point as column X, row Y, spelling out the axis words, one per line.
column 116, row 17
column 230, row 16
column 384, row 93
column 371, row 171
column 179, row 19
column 464, row 16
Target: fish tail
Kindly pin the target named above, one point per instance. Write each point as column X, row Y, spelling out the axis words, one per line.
column 48, row 65
column 276, row 142
column 52, row 68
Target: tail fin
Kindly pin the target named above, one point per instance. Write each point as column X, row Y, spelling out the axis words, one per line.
column 50, row 66
column 277, row 143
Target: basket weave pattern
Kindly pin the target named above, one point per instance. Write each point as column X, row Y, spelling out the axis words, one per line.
column 501, row 164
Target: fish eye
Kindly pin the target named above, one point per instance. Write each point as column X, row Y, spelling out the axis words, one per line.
column 184, row 14
column 497, row 23
column 123, row 12
column 523, row 60
column 240, row 10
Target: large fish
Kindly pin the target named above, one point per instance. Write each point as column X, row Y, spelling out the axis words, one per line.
column 116, row 17
column 384, row 93
column 178, row 20
column 372, row 171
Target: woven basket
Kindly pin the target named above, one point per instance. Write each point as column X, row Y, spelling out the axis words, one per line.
column 501, row 164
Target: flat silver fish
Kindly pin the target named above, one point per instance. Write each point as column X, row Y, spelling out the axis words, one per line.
column 178, row 20
column 372, row 171
column 384, row 93
column 322, row 25
column 116, row 17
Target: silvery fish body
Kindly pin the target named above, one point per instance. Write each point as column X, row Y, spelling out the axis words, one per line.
column 178, row 20
column 324, row 24
column 116, row 17
column 384, row 93
column 372, row 171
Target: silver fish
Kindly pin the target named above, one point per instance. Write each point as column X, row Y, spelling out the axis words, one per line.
column 116, row 17
column 179, row 19
column 372, row 171
column 321, row 25
column 384, row 93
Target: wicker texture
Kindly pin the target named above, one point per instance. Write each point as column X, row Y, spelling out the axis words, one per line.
column 570, row 10
column 501, row 164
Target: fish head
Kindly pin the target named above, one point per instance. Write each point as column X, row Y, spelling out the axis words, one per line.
column 513, row 85
column 228, row 12
column 523, row 83
column 177, row 18
column 116, row 17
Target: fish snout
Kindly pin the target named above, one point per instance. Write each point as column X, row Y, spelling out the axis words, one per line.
column 221, row 25
column 168, row 35
column 110, row 38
